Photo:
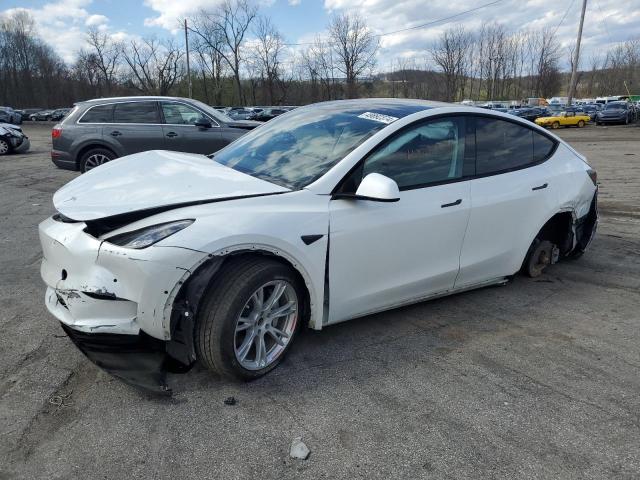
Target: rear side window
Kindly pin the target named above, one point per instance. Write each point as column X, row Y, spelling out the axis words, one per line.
column 502, row 145
column 136, row 112
column 542, row 147
column 98, row 114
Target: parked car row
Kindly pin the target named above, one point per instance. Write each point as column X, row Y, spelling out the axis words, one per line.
column 260, row 114
column 9, row 115
column 556, row 115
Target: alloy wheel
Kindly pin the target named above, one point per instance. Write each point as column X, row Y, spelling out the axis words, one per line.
column 4, row 147
column 265, row 325
column 94, row 161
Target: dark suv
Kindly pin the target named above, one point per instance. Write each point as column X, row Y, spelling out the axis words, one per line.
column 97, row 131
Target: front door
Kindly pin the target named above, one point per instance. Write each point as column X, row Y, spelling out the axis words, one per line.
column 182, row 135
column 386, row 254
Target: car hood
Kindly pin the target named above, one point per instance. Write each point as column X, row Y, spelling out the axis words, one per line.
column 155, row 181
column 547, row 119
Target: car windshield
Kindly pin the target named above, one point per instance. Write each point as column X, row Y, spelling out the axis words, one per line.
column 615, row 106
column 300, row 146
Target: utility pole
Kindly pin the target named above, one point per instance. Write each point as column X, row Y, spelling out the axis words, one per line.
column 186, row 42
column 576, row 59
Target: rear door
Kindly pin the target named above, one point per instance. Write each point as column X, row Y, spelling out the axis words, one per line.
column 182, row 135
column 511, row 199
column 384, row 254
column 136, row 127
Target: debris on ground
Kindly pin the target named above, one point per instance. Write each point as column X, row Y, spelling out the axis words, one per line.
column 61, row 400
column 298, row 449
column 230, row 401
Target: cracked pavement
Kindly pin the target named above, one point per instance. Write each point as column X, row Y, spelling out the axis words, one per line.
column 536, row 379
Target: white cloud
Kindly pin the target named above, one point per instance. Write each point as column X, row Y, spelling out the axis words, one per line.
column 95, row 20
column 62, row 24
column 172, row 12
column 294, row 3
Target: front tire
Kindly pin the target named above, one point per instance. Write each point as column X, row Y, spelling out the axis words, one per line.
column 580, row 124
column 555, row 125
column 248, row 317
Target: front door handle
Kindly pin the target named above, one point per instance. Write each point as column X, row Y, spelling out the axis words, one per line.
column 452, row 204
column 172, row 134
column 540, row 187
column 116, row 133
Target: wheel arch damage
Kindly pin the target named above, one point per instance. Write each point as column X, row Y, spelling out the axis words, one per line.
column 569, row 234
column 183, row 304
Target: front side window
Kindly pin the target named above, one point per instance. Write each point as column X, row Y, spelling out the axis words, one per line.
column 98, row 114
column 136, row 112
column 428, row 153
column 180, row 114
column 502, row 146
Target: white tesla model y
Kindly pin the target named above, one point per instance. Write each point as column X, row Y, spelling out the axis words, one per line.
column 326, row 213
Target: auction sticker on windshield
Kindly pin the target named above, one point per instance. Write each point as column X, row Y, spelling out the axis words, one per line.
column 378, row 117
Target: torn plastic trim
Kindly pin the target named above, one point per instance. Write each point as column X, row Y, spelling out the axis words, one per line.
column 585, row 227
column 184, row 309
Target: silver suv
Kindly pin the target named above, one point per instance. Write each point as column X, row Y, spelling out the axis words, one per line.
column 100, row 130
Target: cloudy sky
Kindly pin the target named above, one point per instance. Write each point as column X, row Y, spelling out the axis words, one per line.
column 63, row 23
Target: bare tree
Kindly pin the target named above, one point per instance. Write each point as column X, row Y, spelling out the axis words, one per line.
column 230, row 22
column 207, row 46
column 105, row 56
column 450, row 53
column 355, row 47
column 154, row 67
column 268, row 54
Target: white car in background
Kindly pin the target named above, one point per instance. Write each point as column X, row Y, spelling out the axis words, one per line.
column 327, row 213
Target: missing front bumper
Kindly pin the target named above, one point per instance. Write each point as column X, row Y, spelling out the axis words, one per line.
column 138, row 360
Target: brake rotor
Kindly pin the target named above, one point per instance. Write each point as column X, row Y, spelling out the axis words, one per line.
column 541, row 256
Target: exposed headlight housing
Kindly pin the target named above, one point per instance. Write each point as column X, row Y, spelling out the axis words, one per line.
column 147, row 236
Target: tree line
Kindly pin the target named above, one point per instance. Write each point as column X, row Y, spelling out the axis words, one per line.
column 239, row 57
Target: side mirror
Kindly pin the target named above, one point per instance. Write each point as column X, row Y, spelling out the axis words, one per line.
column 203, row 123
column 374, row 187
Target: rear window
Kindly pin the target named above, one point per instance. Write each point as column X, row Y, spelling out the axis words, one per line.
column 502, row 145
column 98, row 114
column 136, row 112
column 542, row 147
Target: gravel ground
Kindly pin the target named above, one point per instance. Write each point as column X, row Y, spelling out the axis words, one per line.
column 537, row 379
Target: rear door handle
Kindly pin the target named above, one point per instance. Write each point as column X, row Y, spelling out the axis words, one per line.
column 116, row 133
column 452, row 204
column 172, row 134
column 540, row 187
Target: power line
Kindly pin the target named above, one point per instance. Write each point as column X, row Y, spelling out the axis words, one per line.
column 563, row 17
column 416, row 27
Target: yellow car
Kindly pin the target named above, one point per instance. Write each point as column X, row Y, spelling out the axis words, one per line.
column 565, row 119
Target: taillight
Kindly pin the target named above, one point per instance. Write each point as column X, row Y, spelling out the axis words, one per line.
column 56, row 132
column 593, row 175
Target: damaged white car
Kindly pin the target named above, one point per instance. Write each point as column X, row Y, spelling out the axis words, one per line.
column 326, row 213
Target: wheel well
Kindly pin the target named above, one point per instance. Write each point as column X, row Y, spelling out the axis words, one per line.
column 91, row 146
column 559, row 231
column 188, row 299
